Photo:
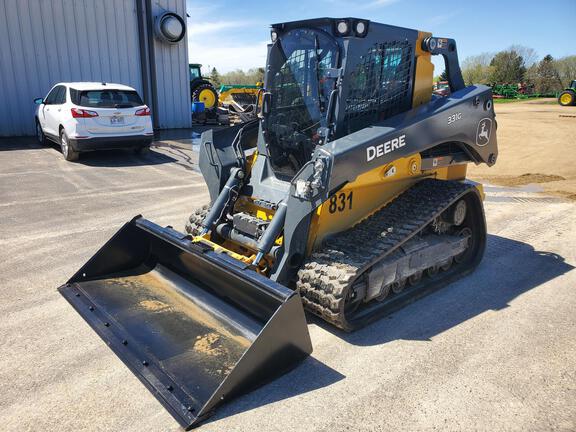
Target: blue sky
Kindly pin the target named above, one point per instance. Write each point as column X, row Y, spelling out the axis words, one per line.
column 230, row 34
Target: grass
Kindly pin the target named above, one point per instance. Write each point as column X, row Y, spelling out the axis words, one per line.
column 505, row 101
column 545, row 101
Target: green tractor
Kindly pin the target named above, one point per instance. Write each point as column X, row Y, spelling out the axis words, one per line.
column 202, row 90
column 568, row 96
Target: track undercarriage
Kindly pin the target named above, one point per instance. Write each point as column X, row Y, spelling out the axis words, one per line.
column 427, row 237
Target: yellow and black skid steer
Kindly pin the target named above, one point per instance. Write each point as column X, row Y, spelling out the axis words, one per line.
column 346, row 197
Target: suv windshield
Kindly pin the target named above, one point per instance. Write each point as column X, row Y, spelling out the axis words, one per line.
column 105, row 98
column 300, row 88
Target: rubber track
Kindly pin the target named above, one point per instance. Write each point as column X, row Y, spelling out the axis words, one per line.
column 325, row 277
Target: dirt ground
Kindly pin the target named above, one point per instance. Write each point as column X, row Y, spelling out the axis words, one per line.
column 537, row 145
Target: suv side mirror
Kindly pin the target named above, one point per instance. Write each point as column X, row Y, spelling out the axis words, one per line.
column 39, row 101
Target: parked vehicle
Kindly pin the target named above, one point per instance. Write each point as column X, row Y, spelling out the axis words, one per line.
column 568, row 96
column 202, row 90
column 441, row 88
column 88, row 116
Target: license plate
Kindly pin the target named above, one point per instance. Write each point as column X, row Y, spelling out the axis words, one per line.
column 115, row 120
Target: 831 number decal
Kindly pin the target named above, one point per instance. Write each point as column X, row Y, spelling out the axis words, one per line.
column 340, row 202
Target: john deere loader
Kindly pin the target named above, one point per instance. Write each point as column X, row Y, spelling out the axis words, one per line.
column 347, row 198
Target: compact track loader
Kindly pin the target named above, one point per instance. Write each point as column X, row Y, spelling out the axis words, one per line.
column 348, row 196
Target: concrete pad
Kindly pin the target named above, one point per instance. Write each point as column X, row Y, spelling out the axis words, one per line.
column 494, row 351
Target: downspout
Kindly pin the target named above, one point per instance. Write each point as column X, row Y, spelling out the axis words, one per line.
column 152, row 63
column 143, row 45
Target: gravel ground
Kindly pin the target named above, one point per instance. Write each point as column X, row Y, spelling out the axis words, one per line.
column 495, row 351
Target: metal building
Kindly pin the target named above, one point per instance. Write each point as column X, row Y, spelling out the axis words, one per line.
column 139, row 43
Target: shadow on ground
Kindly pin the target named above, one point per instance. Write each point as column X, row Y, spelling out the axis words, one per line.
column 310, row 375
column 509, row 269
column 102, row 158
column 123, row 158
column 19, row 143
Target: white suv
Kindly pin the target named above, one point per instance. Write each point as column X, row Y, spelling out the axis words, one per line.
column 86, row 116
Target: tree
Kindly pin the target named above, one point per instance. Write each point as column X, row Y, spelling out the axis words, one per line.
column 443, row 76
column 250, row 77
column 260, row 74
column 566, row 68
column 545, row 76
column 215, row 78
column 477, row 69
column 529, row 55
column 507, row 68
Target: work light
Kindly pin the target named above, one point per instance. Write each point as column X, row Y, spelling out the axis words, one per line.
column 361, row 28
column 343, row 28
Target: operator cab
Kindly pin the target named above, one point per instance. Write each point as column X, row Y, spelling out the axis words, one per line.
column 300, row 88
column 305, row 61
column 195, row 72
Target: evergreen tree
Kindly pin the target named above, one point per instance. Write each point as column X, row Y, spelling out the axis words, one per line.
column 507, row 67
column 215, row 78
column 546, row 78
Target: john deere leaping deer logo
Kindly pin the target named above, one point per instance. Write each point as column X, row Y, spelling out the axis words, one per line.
column 483, row 132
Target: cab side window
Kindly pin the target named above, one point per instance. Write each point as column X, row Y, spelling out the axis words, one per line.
column 380, row 85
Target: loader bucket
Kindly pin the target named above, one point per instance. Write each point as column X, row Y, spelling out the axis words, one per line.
column 196, row 327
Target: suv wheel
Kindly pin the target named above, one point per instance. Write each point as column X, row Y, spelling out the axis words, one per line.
column 40, row 134
column 67, row 151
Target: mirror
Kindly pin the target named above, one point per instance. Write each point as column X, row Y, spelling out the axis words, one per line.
column 38, row 101
column 266, row 103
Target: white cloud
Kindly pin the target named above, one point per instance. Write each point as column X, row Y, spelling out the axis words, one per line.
column 218, row 44
column 437, row 20
column 370, row 4
column 378, row 3
column 230, row 57
column 196, row 28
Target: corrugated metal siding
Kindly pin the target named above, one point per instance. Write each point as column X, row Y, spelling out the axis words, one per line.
column 172, row 74
column 43, row 42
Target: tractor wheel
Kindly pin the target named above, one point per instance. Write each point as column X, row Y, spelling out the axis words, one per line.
column 567, row 98
column 206, row 93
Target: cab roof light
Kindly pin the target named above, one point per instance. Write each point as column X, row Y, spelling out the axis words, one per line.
column 273, row 35
column 360, row 28
column 343, row 27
